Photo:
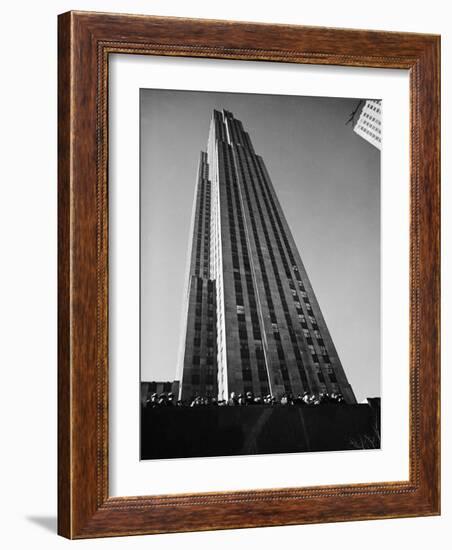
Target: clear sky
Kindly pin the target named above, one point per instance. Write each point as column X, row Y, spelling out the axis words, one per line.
column 327, row 179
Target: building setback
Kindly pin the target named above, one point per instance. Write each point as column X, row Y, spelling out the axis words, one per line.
column 252, row 319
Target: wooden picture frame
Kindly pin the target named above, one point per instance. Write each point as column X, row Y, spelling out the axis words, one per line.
column 85, row 42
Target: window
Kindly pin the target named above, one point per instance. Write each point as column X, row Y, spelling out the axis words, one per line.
column 246, row 374
column 244, row 353
column 240, row 309
column 262, row 373
column 243, row 335
column 196, row 360
column 284, row 373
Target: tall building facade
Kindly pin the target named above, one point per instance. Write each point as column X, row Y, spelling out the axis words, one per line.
column 252, row 321
column 368, row 125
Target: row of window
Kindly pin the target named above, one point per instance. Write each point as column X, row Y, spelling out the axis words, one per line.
column 292, row 333
column 209, row 359
column 209, row 342
column 372, row 118
column 374, row 107
column 209, row 327
column 373, row 127
column 280, row 351
column 371, row 134
column 257, row 243
column 232, row 194
column 273, row 211
column 203, row 219
column 209, row 379
column 303, row 293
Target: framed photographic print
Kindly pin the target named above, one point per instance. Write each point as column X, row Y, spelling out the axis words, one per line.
column 248, row 275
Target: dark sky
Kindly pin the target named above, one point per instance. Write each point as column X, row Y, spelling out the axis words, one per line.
column 327, row 179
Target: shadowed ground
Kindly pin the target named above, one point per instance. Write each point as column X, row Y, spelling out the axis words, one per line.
column 182, row 432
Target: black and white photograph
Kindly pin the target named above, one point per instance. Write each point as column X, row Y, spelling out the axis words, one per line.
column 224, row 240
column 260, row 274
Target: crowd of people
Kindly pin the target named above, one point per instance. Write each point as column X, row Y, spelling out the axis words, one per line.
column 246, row 399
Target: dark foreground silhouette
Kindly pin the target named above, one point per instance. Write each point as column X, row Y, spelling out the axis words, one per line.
column 197, row 431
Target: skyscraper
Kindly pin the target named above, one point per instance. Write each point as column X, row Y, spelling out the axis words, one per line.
column 253, row 322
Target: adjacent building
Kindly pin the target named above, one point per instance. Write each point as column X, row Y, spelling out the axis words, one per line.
column 252, row 320
column 368, row 125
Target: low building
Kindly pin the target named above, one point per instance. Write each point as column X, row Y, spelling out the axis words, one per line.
column 148, row 388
